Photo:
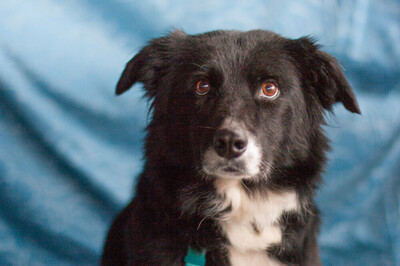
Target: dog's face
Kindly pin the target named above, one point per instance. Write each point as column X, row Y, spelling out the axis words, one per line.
column 236, row 105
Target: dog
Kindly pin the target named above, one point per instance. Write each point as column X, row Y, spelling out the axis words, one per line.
column 234, row 150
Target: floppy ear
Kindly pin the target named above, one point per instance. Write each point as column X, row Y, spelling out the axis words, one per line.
column 138, row 69
column 322, row 72
column 149, row 65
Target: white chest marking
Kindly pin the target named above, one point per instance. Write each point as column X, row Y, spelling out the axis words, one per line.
column 251, row 227
column 251, row 258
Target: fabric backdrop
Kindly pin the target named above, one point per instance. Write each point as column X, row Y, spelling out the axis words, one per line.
column 70, row 150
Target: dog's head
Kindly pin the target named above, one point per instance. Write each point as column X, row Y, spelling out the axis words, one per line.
column 237, row 104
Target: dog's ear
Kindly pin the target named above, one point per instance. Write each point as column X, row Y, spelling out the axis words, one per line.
column 322, row 72
column 149, row 64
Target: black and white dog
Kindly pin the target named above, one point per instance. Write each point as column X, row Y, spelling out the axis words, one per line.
column 234, row 151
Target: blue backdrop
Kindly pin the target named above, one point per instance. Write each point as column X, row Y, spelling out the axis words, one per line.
column 69, row 149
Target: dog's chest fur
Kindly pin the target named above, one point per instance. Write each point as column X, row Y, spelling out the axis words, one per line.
column 252, row 225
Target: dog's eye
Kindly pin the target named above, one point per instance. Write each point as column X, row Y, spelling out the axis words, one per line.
column 202, row 87
column 270, row 90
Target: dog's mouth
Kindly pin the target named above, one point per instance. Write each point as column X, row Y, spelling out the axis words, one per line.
column 228, row 170
column 233, row 170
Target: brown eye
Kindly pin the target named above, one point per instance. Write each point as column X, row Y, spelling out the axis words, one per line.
column 270, row 90
column 202, row 87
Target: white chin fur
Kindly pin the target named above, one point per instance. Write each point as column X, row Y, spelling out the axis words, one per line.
column 248, row 162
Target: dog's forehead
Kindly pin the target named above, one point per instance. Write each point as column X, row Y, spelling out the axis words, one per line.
column 235, row 49
column 238, row 56
column 248, row 37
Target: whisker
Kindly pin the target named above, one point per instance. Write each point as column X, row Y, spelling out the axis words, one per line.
column 213, row 128
column 198, row 227
column 202, row 173
column 204, row 68
column 244, row 185
column 272, row 167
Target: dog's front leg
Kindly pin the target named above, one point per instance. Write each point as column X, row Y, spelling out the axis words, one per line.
column 165, row 251
column 155, row 244
column 133, row 240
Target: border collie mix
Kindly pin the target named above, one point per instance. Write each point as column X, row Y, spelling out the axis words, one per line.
column 234, row 150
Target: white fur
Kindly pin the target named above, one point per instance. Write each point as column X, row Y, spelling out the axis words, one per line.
column 261, row 211
column 252, row 157
column 251, row 258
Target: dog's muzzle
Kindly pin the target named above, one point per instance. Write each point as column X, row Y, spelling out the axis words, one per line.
column 234, row 153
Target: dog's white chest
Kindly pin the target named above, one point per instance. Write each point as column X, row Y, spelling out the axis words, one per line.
column 252, row 225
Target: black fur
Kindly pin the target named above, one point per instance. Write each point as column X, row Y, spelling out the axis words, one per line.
column 173, row 206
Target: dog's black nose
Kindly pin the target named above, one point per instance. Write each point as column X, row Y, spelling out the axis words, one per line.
column 230, row 143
